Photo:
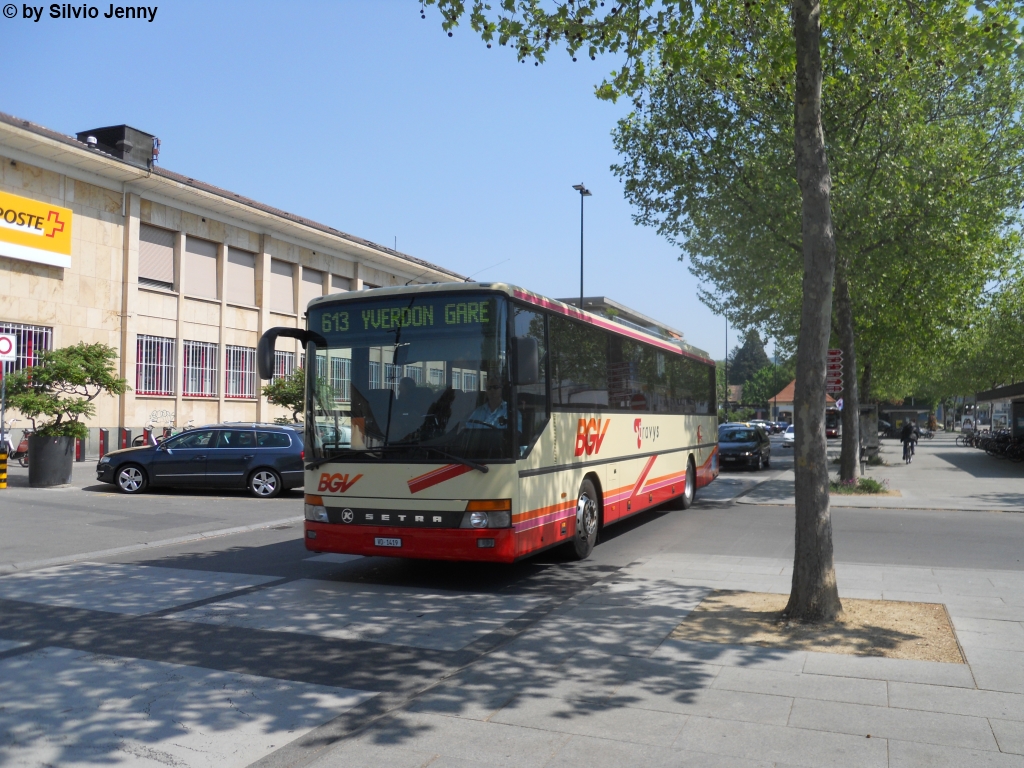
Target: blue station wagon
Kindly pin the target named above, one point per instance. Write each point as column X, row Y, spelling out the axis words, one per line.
column 264, row 458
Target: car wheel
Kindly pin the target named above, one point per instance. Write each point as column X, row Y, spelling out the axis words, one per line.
column 588, row 517
column 131, row 479
column 760, row 463
column 265, row 483
column 768, row 462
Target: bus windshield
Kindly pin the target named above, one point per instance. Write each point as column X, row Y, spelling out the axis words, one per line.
column 410, row 378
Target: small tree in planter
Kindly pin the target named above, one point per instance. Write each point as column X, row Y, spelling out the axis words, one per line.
column 288, row 392
column 62, row 388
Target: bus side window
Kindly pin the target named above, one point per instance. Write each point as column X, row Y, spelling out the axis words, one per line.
column 532, row 399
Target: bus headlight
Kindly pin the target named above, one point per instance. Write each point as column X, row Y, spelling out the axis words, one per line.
column 488, row 513
column 314, row 509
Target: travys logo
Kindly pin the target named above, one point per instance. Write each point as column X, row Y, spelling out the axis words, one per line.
column 335, row 483
column 590, row 434
column 644, row 433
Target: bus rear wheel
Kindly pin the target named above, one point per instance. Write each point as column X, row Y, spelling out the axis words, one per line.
column 588, row 516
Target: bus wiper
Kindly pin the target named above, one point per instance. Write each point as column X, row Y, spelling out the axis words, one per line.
column 458, row 459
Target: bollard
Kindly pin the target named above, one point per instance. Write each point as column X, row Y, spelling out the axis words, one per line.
column 3, row 468
column 147, row 435
column 124, row 437
column 167, row 432
column 79, row 449
column 104, row 437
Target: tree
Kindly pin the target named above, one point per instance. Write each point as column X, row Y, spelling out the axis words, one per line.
column 762, row 386
column 927, row 158
column 746, row 360
column 670, row 37
column 288, row 392
column 63, row 386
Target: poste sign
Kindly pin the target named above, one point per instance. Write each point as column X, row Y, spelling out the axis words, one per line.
column 31, row 230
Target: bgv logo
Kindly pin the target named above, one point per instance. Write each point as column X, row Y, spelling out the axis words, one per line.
column 589, row 435
column 644, row 433
column 336, row 482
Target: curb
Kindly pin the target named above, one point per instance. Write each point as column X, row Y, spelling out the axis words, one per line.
column 34, row 564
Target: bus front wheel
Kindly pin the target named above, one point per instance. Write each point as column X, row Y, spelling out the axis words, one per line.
column 588, row 515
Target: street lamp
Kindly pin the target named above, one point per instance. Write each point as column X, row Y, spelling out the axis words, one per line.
column 584, row 192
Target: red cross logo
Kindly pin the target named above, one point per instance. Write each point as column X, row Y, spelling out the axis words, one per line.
column 55, row 216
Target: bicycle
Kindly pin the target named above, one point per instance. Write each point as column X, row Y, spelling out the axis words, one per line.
column 908, row 451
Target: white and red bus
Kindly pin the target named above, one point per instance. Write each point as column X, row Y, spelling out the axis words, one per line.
column 480, row 421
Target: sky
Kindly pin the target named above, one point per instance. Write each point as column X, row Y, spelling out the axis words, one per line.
column 365, row 117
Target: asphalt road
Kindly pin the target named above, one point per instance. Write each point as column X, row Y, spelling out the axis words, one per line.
column 266, row 646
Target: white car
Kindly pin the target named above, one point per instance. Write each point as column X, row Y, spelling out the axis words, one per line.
column 788, row 437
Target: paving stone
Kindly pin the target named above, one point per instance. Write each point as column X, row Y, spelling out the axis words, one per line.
column 119, row 588
column 66, row 707
column 395, row 615
column 363, row 754
column 997, row 670
column 775, row 743
column 992, row 608
column 879, row 668
column 587, row 718
column 988, row 633
column 597, row 753
column 903, row 754
column 1010, row 735
column 728, row 705
column 797, row 685
column 753, row 656
column 891, row 723
column 490, row 743
column 10, row 645
column 957, row 701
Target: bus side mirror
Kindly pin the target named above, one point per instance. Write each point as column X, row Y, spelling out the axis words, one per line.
column 526, row 358
column 268, row 341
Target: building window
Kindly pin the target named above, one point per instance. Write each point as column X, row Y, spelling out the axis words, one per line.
column 240, row 281
column 284, row 364
column 392, row 374
column 341, row 378
column 154, row 365
column 200, row 369
column 199, row 272
column 156, row 257
column 32, row 339
column 240, row 372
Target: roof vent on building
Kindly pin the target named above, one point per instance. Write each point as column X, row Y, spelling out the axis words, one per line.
column 125, row 143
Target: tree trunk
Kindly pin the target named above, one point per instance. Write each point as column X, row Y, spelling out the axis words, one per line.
column 814, row 596
column 849, row 467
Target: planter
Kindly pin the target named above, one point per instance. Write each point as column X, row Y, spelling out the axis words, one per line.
column 50, row 460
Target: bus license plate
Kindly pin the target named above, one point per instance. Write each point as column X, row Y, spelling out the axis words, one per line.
column 387, row 542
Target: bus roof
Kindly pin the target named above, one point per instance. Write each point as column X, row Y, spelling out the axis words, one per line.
column 608, row 323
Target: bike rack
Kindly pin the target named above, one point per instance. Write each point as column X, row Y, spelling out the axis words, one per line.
column 124, row 437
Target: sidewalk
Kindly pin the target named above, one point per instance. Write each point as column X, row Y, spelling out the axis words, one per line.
column 599, row 682
column 942, row 476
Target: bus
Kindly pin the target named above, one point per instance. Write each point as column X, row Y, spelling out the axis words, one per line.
column 833, row 422
column 481, row 421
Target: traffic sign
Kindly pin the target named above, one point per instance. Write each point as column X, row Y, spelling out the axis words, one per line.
column 8, row 347
column 834, row 367
column 835, row 353
column 833, row 389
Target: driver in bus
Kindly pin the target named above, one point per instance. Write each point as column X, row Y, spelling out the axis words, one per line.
column 493, row 412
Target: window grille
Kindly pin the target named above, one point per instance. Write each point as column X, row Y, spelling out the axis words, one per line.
column 415, row 372
column 456, row 379
column 375, row 375
column 154, row 365
column 240, row 372
column 437, row 376
column 200, row 369
column 469, row 381
column 341, row 378
column 32, row 339
column 392, row 375
column 284, row 364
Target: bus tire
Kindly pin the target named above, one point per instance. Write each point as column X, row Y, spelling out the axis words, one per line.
column 690, row 491
column 588, row 519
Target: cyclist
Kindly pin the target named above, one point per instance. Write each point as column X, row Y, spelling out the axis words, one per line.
column 908, row 436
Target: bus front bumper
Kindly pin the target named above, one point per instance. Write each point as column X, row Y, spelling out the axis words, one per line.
column 495, row 545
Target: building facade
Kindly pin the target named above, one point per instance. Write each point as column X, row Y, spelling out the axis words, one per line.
column 99, row 244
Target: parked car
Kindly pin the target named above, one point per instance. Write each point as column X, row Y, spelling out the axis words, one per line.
column 789, row 437
column 264, row 458
column 744, row 445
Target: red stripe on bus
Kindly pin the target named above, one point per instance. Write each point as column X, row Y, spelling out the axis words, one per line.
column 437, row 476
column 643, row 476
